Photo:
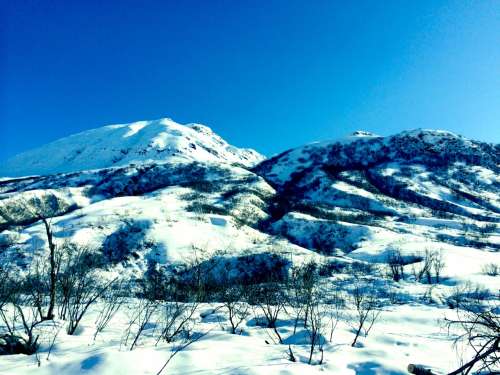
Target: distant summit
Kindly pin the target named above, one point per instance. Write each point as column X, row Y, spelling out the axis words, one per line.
column 119, row 145
column 363, row 133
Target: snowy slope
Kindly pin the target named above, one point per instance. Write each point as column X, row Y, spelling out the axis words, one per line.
column 328, row 197
column 118, row 145
column 162, row 194
column 364, row 150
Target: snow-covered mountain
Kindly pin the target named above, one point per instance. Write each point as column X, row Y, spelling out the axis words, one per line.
column 353, row 187
column 156, row 195
column 119, row 145
column 164, row 189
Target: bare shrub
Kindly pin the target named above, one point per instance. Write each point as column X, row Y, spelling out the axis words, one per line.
column 432, row 263
column 491, row 269
column 20, row 319
column 112, row 300
column 366, row 308
column 317, row 326
column 175, row 318
column 468, row 294
column 178, row 348
column 318, row 313
column 142, row 313
column 80, row 284
column 423, row 268
column 334, row 308
column 396, row 264
column 480, row 331
column 301, row 284
column 271, row 299
column 233, row 298
column 177, row 308
column 437, row 264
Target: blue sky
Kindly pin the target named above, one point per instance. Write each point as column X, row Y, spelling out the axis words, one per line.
column 264, row 74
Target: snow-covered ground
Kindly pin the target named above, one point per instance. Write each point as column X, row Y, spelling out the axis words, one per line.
column 404, row 334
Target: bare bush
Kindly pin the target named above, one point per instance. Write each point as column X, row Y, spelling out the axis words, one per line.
column 233, row 298
column 142, row 313
column 20, row 319
column 491, row 269
column 438, row 264
column 112, row 301
column 317, row 326
column 480, row 331
column 271, row 299
column 468, row 294
column 80, row 284
column 396, row 264
column 334, row 308
column 432, row 263
column 366, row 309
column 179, row 348
column 308, row 303
column 301, row 284
column 175, row 318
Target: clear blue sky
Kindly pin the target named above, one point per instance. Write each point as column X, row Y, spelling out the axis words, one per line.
column 264, row 74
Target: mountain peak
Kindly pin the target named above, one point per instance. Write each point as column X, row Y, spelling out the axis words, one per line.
column 362, row 133
column 122, row 144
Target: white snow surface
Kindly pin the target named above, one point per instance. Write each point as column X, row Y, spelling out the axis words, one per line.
column 405, row 334
column 118, row 145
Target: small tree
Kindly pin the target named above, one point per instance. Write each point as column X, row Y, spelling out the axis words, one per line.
column 53, row 268
column 37, row 208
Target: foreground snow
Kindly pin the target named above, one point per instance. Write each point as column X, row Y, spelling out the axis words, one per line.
column 405, row 334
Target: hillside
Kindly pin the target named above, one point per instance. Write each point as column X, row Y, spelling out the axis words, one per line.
column 156, row 195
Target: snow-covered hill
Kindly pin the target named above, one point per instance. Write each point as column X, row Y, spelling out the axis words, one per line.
column 157, row 195
column 119, row 145
column 444, row 182
column 328, row 197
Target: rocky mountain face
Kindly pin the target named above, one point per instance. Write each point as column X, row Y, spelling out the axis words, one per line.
column 159, row 192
